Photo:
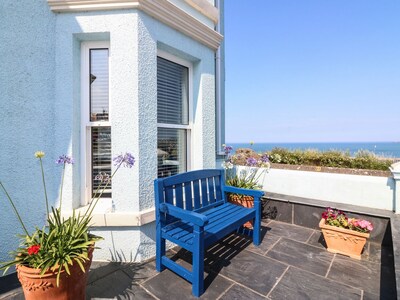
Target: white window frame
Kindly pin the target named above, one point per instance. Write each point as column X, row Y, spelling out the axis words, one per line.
column 86, row 124
column 189, row 127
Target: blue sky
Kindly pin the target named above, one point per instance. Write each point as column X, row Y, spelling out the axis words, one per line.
column 312, row 70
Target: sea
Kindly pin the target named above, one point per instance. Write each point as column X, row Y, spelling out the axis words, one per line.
column 384, row 149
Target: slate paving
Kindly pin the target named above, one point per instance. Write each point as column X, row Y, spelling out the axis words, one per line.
column 291, row 263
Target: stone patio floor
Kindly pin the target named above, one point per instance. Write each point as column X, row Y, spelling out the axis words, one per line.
column 291, row 263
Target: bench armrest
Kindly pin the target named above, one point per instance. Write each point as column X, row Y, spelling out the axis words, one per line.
column 256, row 194
column 185, row 215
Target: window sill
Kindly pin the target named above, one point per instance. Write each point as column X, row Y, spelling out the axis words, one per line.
column 103, row 216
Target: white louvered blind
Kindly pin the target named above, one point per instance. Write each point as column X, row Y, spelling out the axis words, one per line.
column 99, row 98
column 172, row 93
column 172, row 112
column 101, row 161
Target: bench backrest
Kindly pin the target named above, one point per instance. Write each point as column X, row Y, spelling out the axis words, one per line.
column 195, row 190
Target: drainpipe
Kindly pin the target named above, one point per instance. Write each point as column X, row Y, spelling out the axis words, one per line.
column 218, row 87
column 395, row 169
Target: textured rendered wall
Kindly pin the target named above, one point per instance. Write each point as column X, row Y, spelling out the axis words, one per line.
column 27, row 70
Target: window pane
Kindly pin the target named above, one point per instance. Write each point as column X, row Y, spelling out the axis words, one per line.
column 101, row 160
column 99, row 105
column 171, row 151
column 172, row 92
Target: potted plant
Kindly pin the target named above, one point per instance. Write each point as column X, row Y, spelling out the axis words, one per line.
column 53, row 261
column 344, row 235
column 247, row 178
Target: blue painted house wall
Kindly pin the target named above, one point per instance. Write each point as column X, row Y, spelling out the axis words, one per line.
column 27, row 72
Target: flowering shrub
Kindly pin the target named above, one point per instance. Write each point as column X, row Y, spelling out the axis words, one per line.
column 247, row 178
column 339, row 159
column 62, row 242
column 339, row 219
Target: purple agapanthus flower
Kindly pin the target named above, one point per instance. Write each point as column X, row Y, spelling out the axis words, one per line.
column 227, row 149
column 264, row 158
column 64, row 159
column 251, row 162
column 127, row 160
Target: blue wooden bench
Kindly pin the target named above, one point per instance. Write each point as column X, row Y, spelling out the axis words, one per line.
column 192, row 211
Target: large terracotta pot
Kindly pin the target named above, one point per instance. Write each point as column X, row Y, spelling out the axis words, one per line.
column 343, row 241
column 243, row 200
column 44, row 287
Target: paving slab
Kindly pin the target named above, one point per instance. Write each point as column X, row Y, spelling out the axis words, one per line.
column 301, row 255
column 366, row 275
column 370, row 296
column 13, row 296
column 268, row 242
column 168, row 285
column 100, row 269
column 317, row 240
column 296, row 233
column 298, row 284
column 237, row 292
column 117, row 285
column 252, row 270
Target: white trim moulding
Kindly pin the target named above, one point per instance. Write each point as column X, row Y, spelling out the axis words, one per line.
column 162, row 10
column 117, row 219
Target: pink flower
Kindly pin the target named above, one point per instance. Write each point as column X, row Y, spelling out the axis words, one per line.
column 363, row 223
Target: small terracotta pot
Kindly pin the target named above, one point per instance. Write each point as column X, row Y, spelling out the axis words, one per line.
column 243, row 200
column 343, row 241
column 44, row 287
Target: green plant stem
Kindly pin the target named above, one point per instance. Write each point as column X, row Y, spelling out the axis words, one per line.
column 90, row 209
column 62, row 184
column 15, row 209
column 44, row 187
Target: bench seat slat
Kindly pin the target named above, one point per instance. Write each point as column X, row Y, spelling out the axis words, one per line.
column 224, row 217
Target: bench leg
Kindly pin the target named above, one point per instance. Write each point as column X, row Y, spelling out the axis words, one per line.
column 160, row 251
column 198, row 263
column 257, row 224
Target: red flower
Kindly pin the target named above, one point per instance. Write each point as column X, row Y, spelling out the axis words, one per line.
column 34, row 249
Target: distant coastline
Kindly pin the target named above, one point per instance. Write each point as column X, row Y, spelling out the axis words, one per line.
column 385, row 149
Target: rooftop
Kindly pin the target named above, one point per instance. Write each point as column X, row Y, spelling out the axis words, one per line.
column 290, row 263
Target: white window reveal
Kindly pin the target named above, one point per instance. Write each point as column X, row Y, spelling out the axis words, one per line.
column 173, row 115
column 96, row 125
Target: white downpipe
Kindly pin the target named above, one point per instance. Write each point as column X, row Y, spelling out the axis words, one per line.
column 218, row 93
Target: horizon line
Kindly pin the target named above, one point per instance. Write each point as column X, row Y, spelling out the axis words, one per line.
column 342, row 142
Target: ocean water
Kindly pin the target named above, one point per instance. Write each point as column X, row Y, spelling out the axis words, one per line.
column 386, row 149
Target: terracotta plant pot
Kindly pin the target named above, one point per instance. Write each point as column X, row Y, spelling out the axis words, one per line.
column 36, row 286
column 343, row 241
column 243, row 200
